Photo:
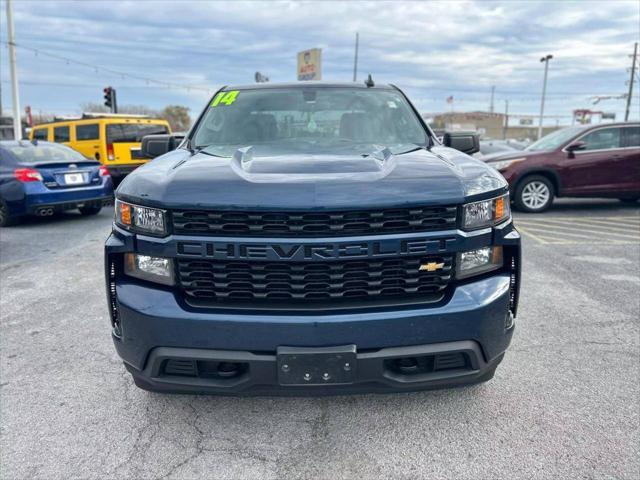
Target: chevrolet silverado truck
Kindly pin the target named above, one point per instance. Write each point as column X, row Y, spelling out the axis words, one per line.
column 311, row 238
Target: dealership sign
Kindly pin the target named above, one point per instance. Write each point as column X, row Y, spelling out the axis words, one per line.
column 310, row 64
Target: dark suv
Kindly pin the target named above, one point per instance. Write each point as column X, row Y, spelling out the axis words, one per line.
column 582, row 161
column 312, row 238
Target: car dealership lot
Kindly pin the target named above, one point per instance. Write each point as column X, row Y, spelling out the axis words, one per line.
column 564, row 403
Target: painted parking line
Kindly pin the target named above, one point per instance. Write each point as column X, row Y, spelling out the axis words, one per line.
column 600, row 230
column 582, row 229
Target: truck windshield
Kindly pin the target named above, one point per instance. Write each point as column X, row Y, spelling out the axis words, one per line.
column 330, row 120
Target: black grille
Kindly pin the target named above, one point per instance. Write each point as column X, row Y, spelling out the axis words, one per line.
column 326, row 283
column 314, row 224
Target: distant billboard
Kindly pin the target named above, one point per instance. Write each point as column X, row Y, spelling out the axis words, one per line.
column 526, row 121
column 310, row 64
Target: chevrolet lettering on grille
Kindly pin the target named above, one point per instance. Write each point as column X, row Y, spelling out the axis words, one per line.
column 312, row 251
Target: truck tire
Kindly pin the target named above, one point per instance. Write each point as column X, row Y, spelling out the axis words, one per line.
column 534, row 194
column 5, row 219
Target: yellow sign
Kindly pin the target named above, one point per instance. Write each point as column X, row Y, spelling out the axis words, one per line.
column 225, row 98
column 310, row 64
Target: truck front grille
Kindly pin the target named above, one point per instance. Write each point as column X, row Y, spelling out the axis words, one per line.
column 328, row 284
column 314, row 224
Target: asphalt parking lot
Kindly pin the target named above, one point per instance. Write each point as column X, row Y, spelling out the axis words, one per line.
column 564, row 403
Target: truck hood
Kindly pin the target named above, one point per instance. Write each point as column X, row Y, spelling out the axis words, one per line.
column 441, row 176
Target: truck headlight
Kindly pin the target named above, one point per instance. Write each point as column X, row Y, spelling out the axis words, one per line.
column 481, row 260
column 151, row 221
column 485, row 213
column 152, row 269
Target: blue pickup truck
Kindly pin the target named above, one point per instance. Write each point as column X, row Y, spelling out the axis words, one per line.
column 311, row 238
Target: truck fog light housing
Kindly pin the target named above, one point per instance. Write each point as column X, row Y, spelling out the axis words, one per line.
column 476, row 262
column 486, row 213
column 152, row 269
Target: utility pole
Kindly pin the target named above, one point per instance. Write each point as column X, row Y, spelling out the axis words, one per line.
column 633, row 72
column 544, row 60
column 506, row 119
column 355, row 60
column 493, row 90
column 17, row 123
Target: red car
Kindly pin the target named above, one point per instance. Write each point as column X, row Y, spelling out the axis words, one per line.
column 583, row 161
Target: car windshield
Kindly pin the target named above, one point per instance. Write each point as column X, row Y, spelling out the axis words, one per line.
column 40, row 152
column 554, row 140
column 309, row 120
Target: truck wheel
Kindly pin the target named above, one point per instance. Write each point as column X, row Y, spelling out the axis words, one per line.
column 90, row 209
column 5, row 219
column 534, row 194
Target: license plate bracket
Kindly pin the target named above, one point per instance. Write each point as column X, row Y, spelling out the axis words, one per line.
column 316, row 366
column 74, row 179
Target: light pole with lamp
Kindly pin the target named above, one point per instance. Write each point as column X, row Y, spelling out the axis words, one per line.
column 545, row 60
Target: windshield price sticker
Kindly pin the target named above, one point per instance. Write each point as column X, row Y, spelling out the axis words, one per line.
column 225, row 98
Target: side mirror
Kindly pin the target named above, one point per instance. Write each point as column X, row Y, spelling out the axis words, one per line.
column 155, row 145
column 575, row 146
column 466, row 142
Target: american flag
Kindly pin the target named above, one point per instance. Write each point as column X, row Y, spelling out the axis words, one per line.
column 450, row 99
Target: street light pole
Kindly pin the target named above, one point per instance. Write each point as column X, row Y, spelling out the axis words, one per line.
column 355, row 60
column 493, row 90
column 506, row 119
column 17, row 123
column 633, row 72
column 545, row 60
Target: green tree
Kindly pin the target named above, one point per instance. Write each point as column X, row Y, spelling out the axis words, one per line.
column 177, row 116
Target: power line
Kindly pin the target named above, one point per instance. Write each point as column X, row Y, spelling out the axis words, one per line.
column 100, row 68
column 87, row 85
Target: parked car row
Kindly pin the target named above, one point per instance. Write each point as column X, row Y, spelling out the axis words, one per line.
column 41, row 177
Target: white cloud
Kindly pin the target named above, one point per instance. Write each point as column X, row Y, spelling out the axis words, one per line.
column 433, row 48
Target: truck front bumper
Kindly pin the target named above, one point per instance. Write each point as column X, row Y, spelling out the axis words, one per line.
column 167, row 347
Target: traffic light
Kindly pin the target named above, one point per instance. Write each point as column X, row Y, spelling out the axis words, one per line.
column 110, row 99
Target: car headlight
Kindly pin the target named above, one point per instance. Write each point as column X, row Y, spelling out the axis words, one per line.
column 151, row 221
column 152, row 269
column 486, row 213
column 503, row 164
column 481, row 260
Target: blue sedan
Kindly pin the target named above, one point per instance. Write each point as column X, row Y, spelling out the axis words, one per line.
column 41, row 178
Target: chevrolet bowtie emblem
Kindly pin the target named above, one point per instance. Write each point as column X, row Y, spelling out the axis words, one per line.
column 431, row 267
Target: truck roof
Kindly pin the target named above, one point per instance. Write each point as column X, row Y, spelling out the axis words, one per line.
column 306, row 84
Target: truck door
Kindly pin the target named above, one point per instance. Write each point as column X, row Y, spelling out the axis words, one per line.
column 88, row 140
column 595, row 168
column 629, row 162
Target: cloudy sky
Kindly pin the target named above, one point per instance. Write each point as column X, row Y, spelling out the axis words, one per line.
column 431, row 49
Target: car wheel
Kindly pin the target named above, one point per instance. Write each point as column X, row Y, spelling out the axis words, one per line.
column 534, row 194
column 629, row 199
column 5, row 219
column 90, row 209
